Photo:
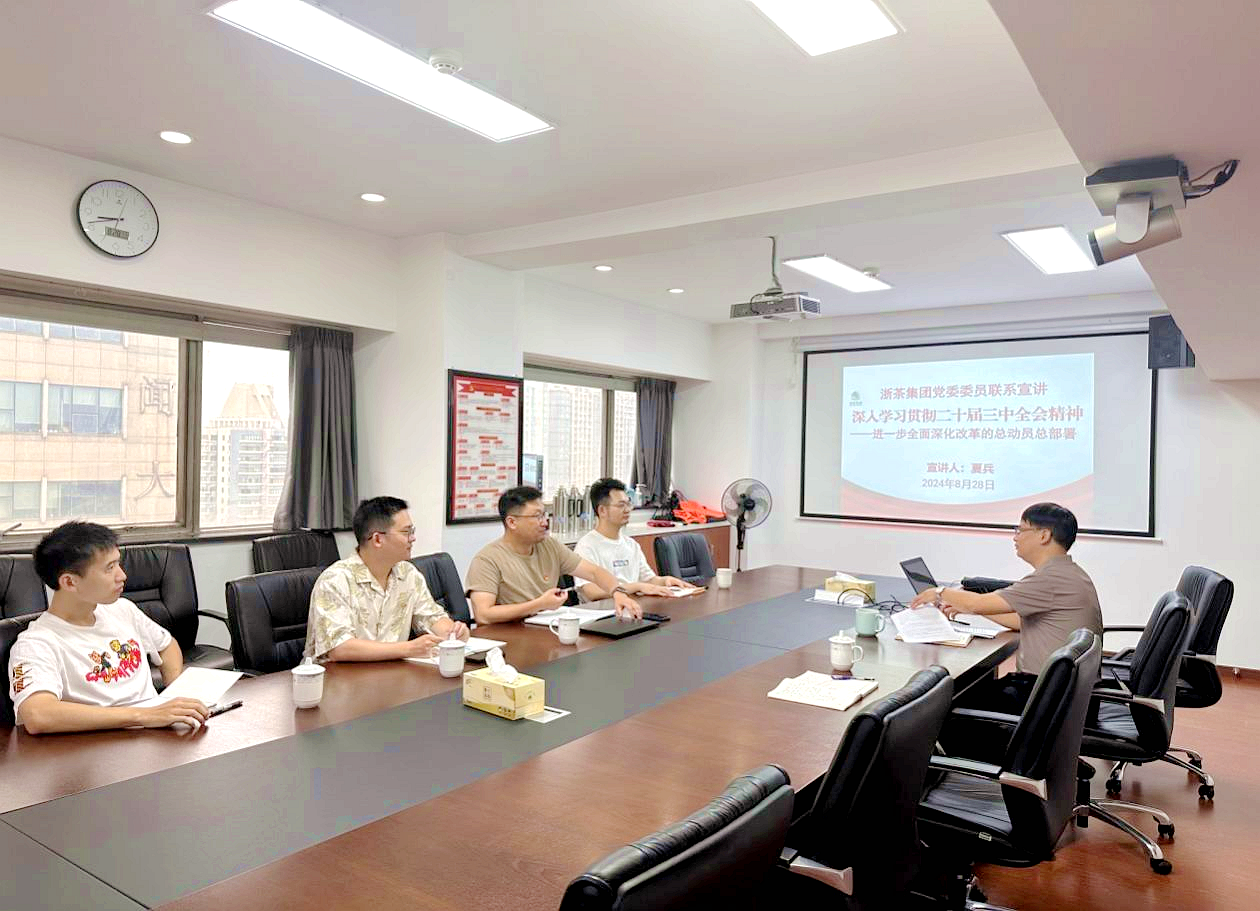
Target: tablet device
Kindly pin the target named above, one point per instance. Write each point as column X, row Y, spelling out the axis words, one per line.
column 614, row 628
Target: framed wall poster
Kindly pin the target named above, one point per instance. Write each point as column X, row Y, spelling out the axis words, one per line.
column 485, row 421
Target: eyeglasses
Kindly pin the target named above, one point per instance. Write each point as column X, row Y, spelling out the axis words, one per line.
column 540, row 516
column 625, row 504
column 407, row 532
column 1021, row 529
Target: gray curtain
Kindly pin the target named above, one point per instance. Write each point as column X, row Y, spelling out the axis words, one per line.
column 320, row 484
column 654, row 437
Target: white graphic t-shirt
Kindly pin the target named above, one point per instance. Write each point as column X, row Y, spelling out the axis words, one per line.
column 622, row 557
column 102, row 664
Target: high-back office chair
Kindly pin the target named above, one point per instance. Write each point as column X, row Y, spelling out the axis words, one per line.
column 1012, row 812
column 684, row 555
column 1198, row 682
column 21, row 590
column 719, row 856
column 1135, row 720
column 161, row 583
column 294, row 550
column 859, row 838
column 10, row 629
column 267, row 616
column 444, row 584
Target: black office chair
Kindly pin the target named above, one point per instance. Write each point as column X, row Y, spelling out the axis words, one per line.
column 444, row 584
column 294, row 550
column 859, row 837
column 21, row 590
column 10, row 629
column 1135, row 720
column 684, row 555
column 267, row 616
column 1012, row 811
column 160, row 582
column 1198, row 683
column 719, row 856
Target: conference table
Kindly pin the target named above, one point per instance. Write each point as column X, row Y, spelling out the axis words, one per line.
column 393, row 793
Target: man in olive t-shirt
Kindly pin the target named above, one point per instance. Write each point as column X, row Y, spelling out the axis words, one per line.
column 518, row 575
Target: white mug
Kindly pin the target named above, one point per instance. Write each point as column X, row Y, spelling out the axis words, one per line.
column 566, row 627
column 844, row 652
column 308, row 685
column 724, row 577
column 450, row 656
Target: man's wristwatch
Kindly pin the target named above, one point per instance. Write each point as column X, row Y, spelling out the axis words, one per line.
column 619, row 588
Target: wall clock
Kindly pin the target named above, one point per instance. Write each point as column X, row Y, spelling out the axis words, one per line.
column 117, row 219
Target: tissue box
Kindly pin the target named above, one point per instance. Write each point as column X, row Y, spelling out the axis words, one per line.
column 524, row 696
column 841, row 582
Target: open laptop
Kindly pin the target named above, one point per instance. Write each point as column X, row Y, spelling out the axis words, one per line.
column 918, row 575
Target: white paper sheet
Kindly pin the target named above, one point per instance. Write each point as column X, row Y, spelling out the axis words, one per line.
column 813, row 688
column 923, row 624
column 204, row 683
column 978, row 625
column 473, row 647
column 544, row 618
column 676, row 592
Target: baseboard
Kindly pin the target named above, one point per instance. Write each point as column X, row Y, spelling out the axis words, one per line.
column 1239, row 673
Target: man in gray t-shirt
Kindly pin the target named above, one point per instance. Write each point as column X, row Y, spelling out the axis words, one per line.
column 1046, row 606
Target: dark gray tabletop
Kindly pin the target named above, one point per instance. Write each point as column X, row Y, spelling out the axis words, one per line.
column 32, row 877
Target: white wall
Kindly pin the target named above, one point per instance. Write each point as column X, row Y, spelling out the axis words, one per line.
column 212, row 248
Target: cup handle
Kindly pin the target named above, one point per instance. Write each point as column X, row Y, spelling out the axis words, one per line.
column 554, row 625
column 434, row 653
column 857, row 653
column 883, row 621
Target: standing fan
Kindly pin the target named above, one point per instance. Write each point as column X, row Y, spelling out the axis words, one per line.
column 747, row 504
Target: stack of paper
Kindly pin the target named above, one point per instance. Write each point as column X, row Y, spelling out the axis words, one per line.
column 927, row 624
column 584, row 614
column 677, row 592
column 813, row 688
column 977, row 625
column 203, row 683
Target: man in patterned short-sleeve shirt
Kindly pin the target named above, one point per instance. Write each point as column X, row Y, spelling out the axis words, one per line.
column 364, row 608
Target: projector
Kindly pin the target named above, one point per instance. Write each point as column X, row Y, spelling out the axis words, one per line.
column 777, row 305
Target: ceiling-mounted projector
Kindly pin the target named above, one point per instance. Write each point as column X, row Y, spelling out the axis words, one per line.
column 775, row 303
column 1142, row 195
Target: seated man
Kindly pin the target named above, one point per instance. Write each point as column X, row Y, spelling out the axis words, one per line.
column 80, row 666
column 608, row 545
column 1046, row 606
column 518, row 575
column 365, row 607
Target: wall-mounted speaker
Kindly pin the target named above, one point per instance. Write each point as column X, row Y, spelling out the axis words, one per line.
column 1167, row 347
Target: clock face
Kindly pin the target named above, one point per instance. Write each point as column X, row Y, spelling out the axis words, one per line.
column 117, row 218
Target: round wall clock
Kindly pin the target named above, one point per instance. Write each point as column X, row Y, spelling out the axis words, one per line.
column 117, row 219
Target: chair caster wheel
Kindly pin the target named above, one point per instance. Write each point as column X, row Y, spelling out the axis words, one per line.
column 1207, row 792
column 977, row 895
column 1161, row 866
column 1082, row 822
column 1197, row 763
column 1113, row 786
column 1167, row 831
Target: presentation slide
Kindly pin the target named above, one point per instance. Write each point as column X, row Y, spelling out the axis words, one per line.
column 972, row 433
column 966, row 440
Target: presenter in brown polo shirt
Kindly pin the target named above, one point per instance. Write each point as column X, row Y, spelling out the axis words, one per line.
column 1046, row 606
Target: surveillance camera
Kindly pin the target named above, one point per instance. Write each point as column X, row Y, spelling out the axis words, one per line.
column 1106, row 247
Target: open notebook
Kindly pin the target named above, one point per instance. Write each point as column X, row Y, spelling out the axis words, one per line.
column 813, row 688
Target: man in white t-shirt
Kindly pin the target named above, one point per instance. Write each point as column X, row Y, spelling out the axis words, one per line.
column 608, row 545
column 80, row 666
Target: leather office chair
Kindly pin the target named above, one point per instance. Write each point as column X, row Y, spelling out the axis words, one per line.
column 267, row 616
column 10, row 628
column 444, row 584
column 161, row 583
column 684, row 555
column 1135, row 720
column 1010, row 812
column 1198, row 683
column 21, row 590
column 719, row 856
column 294, row 550
column 859, row 837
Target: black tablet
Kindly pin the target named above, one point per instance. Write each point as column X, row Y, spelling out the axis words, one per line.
column 614, row 628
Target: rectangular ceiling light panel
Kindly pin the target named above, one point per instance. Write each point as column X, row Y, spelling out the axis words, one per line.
column 823, row 26
column 1052, row 250
column 337, row 44
column 837, row 273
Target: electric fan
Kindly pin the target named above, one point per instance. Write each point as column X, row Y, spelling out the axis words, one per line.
column 746, row 503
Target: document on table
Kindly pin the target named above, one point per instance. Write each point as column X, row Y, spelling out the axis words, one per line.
column 584, row 614
column 204, row 683
column 813, row 688
column 923, row 624
column 977, row 625
column 473, row 647
column 677, row 592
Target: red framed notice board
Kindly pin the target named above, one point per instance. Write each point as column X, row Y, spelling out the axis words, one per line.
column 483, row 444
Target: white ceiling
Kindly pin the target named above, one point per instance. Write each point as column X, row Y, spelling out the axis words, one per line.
column 652, row 99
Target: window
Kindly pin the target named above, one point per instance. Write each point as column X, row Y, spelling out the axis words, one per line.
column 244, row 434
column 24, row 326
column 84, row 333
column 96, row 500
column 582, row 429
column 19, row 500
column 19, row 407
column 84, row 410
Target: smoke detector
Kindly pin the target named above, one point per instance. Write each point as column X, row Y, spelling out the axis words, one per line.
column 446, row 61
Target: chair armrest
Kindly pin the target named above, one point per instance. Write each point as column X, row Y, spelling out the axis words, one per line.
column 1122, row 629
column 795, row 862
column 1115, row 662
column 1127, row 698
column 985, row 715
column 989, row 772
column 213, row 615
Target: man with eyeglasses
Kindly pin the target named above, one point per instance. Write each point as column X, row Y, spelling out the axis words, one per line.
column 608, row 545
column 1046, row 606
column 519, row 574
column 365, row 607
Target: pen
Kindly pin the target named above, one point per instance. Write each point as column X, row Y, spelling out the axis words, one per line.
column 226, row 707
column 960, row 622
column 851, row 677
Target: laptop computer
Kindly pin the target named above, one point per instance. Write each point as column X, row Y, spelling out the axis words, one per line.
column 616, row 629
column 918, row 575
